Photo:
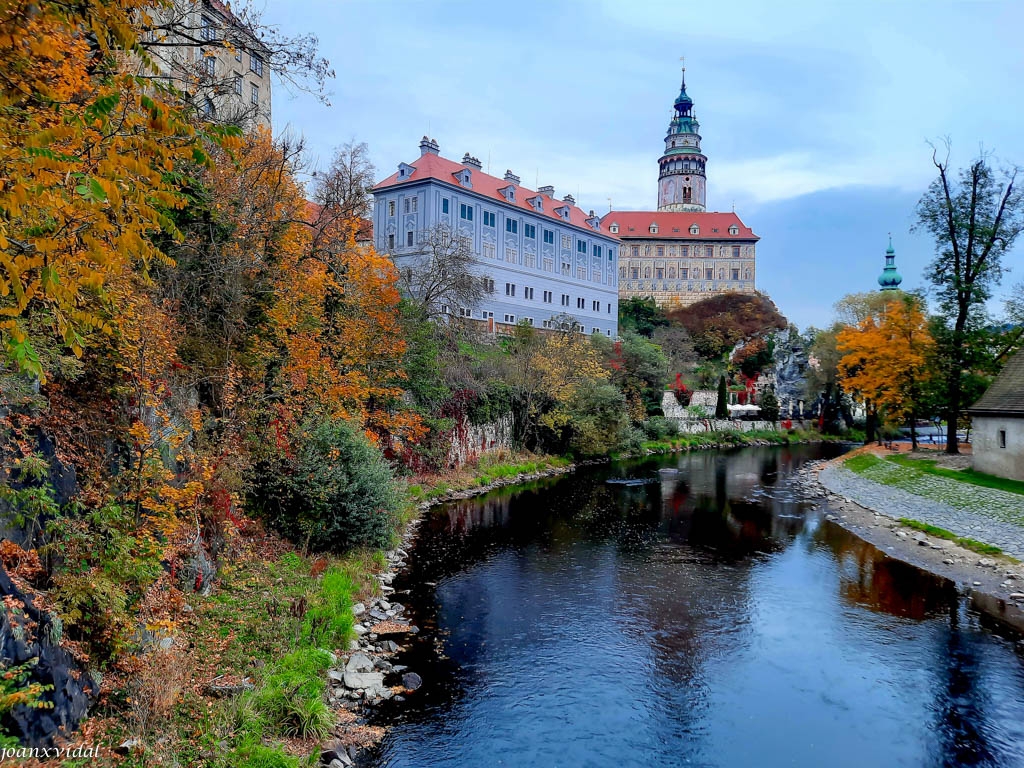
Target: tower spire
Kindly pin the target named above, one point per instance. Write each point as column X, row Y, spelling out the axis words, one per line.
column 681, row 178
column 890, row 279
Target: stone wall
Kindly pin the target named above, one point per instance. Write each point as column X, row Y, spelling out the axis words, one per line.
column 471, row 441
column 698, row 426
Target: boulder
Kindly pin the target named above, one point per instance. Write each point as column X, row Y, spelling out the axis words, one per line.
column 359, row 662
column 411, row 681
column 358, row 609
column 364, row 680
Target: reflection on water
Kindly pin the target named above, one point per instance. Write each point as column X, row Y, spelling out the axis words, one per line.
column 700, row 618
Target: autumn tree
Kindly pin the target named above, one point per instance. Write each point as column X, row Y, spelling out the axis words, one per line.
column 974, row 217
column 885, row 359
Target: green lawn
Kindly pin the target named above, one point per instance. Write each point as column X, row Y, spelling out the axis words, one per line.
column 930, row 467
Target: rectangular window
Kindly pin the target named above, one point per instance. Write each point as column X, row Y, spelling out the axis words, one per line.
column 636, row 251
column 489, row 250
column 463, row 312
column 595, row 306
column 238, row 55
column 597, row 251
column 684, row 273
column 210, row 65
column 465, row 212
column 659, row 273
column 1002, row 438
column 511, row 255
column 549, row 236
column 595, row 330
column 530, row 231
column 444, row 205
column 661, row 251
column 686, row 251
column 488, row 285
column 238, row 84
column 528, row 293
column 634, row 273
column 529, row 259
column 489, row 218
column 549, row 265
column 414, row 202
column 255, row 97
column 510, row 318
column 528, row 320
column 609, row 309
column 709, row 274
column 391, row 207
column 391, row 242
column 709, row 251
column 565, row 299
column 581, row 273
column 547, row 297
column 408, row 238
column 581, row 303
column 735, row 274
column 256, row 64
column 405, row 205
column 735, row 251
column 581, row 246
column 510, row 289
column 486, row 315
column 512, row 225
column 209, row 29
column 566, row 269
column 566, row 242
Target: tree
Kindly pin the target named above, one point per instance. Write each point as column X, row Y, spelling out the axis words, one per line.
column 641, row 315
column 769, row 405
column 722, row 405
column 974, row 218
column 442, row 279
column 718, row 323
column 885, row 359
column 638, row 368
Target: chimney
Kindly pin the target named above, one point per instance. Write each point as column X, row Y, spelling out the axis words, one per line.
column 472, row 162
column 591, row 213
column 509, row 176
column 429, row 147
column 569, row 199
column 547, row 190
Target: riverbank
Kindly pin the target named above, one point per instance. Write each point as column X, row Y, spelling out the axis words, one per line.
column 890, row 519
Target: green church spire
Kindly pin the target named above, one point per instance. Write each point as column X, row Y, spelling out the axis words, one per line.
column 890, row 279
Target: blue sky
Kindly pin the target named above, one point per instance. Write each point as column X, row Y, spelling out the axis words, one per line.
column 815, row 116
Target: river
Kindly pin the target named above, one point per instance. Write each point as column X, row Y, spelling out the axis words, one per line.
column 697, row 617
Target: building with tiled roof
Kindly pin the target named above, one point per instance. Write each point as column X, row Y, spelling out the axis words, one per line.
column 997, row 423
column 540, row 257
column 682, row 253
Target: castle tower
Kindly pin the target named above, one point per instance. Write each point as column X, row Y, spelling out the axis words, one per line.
column 681, row 180
column 890, row 279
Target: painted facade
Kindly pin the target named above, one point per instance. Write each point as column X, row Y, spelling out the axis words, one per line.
column 683, row 253
column 541, row 257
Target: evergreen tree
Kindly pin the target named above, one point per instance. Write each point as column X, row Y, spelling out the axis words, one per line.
column 770, row 406
column 722, row 408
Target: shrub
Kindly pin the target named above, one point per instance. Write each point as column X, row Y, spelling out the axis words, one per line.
column 335, row 492
column 597, row 418
column 659, row 427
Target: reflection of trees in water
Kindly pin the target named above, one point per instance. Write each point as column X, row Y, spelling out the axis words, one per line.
column 870, row 578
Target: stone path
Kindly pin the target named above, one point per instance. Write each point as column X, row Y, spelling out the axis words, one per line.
column 985, row 514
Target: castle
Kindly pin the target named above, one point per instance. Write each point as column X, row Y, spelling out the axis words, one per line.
column 682, row 253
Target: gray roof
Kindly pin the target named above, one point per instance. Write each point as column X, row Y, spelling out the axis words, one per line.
column 1006, row 395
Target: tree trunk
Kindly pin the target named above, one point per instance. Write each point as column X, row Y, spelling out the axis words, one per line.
column 913, row 433
column 954, row 381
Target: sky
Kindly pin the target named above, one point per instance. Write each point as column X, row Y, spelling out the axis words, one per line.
column 816, row 117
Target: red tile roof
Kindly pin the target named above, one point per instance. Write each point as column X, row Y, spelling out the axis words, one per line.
column 675, row 225
column 431, row 166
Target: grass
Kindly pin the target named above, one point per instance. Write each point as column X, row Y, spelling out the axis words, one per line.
column 930, row 467
column 487, row 469
column 684, row 442
column 941, row 533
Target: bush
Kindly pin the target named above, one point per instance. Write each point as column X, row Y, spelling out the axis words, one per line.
column 335, row 492
column 631, row 440
column 659, row 427
column 597, row 418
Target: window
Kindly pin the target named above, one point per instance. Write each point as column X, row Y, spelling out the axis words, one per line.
column 565, row 299
column 694, row 229
column 528, row 320
column 684, row 273
column 654, row 229
column 463, row 312
column 528, row 293
column 414, row 204
column 510, row 318
column 209, row 29
column 255, row 97
column 489, row 250
column 238, row 55
column 581, row 246
column 659, row 273
column 549, row 236
column 735, row 274
column 256, row 64
column 634, row 273
column 581, row 273
column 686, row 251
column 549, row 265
column 609, row 308
column 512, row 225
column 489, row 218
column 636, row 251
column 391, row 207
column 547, row 297
column 238, row 84
column 406, row 205
column 444, row 205
column 709, row 274
column 510, row 289
column 581, row 303
column 488, row 285
column 208, row 108
column 391, row 242
column 530, row 231
column 465, row 212
column 597, row 251
column 408, row 238
column 661, row 251
column 1002, row 438
column 595, row 306
column 485, row 314
column 735, row 251
column 566, row 242
column 734, row 230
column 210, row 65
column 709, row 251
column 511, row 254
column 529, row 259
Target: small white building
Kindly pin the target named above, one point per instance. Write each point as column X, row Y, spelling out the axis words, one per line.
column 998, row 423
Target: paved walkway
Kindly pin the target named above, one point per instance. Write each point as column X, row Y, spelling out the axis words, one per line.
column 985, row 514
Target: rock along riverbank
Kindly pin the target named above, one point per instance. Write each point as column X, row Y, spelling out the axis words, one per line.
column 993, row 584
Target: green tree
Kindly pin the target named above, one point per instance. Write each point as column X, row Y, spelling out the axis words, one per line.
column 722, row 406
column 974, row 218
column 769, row 406
column 641, row 315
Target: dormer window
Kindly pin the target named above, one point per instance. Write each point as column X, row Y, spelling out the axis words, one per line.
column 614, row 228
column 734, row 230
column 405, row 171
column 509, row 193
column 694, row 229
column 536, row 202
column 653, row 228
column 563, row 212
column 465, row 177
column 595, row 223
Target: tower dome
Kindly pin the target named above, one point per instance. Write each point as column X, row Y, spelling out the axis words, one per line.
column 890, row 279
column 682, row 185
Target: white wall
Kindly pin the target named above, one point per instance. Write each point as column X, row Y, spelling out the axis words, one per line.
column 988, row 456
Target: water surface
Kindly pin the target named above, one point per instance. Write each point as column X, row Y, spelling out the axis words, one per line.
column 696, row 618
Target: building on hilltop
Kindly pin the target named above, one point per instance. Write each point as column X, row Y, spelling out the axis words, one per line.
column 683, row 253
column 211, row 56
column 540, row 257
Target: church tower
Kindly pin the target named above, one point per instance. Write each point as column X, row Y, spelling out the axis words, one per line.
column 681, row 180
column 890, row 279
